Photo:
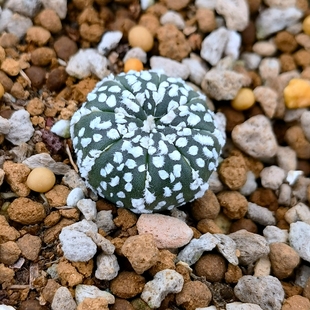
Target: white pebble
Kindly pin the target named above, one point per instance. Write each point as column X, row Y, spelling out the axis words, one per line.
column 233, row 44
column 266, row 291
column 250, row 184
column 104, row 221
column 242, row 306
column 193, row 251
column 19, row 25
column 4, row 307
column 300, row 188
column 299, row 212
column 172, row 17
column 26, row 7
column 293, row 114
column 280, row 3
column 268, row 99
column 251, row 60
column 63, row 300
column 275, row 234
column 285, row 195
column 235, row 12
column 146, row 4
column 256, row 137
column 73, row 180
column 88, row 208
column 269, row 68
column 272, row 20
column 165, row 282
column 264, row 48
column 299, row 237
column 227, row 247
column 83, row 291
column 59, row 6
column 213, row 46
column 5, row 17
column 136, row 52
column 62, row 128
column 293, row 176
column 107, row 267
column 109, row 41
column 272, row 177
column 215, row 184
column 4, row 126
column 106, row 245
column 262, row 267
column 206, row 4
column 197, row 69
column 260, row 215
column 305, row 124
column 21, row 129
column 171, row 67
column 74, row 196
column 286, row 158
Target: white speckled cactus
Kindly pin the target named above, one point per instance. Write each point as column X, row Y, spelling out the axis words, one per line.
column 146, row 141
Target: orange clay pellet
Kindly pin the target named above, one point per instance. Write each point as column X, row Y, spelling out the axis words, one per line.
column 133, row 64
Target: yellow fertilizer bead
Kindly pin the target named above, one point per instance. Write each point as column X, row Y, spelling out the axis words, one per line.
column 133, row 64
column 1, row 90
column 297, row 94
column 244, row 99
column 41, row 179
column 306, row 25
column 140, row 36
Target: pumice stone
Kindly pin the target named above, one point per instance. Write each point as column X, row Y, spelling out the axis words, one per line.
column 145, row 141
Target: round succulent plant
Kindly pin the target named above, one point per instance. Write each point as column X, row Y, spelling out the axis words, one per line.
column 146, row 141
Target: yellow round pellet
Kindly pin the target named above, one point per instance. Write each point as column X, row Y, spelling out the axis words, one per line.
column 140, row 36
column 1, row 90
column 41, row 179
column 244, row 99
column 306, row 25
column 133, row 64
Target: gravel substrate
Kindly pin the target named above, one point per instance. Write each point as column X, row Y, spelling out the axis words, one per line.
column 243, row 245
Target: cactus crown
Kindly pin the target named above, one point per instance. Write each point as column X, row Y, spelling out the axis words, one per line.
column 146, row 141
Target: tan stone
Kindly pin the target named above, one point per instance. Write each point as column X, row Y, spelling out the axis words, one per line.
column 26, row 211
column 52, row 233
column 37, row 35
column 57, row 196
column 9, row 253
column 166, row 261
column 233, row 274
column 42, row 56
column 125, row 219
column 234, row 204
column 49, row 19
column 296, row 139
column 296, row 302
column 50, row 289
column 30, row 246
column 68, row 274
column 52, row 219
column 6, row 274
column 7, row 232
column 10, row 66
column 205, row 19
column 99, row 303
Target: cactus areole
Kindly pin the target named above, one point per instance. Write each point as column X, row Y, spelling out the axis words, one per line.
column 145, row 141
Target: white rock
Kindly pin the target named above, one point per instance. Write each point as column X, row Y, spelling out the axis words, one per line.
column 106, row 245
column 233, row 44
column 62, row 128
column 275, row 234
column 235, row 12
column 83, row 226
column 227, row 247
column 59, row 6
column 299, row 188
column 197, row 69
column 251, row 60
column 146, row 4
column 268, row 99
column 207, row 4
column 172, row 17
column 83, row 291
column 63, row 300
column 215, row 184
column 107, row 267
column 305, row 124
column 77, row 246
column 170, row 67
column 260, row 215
column 273, row 19
column 251, row 246
column 21, row 129
column 266, row 291
column 19, row 25
column 88, row 208
column 4, row 126
column 299, row 236
column 269, row 68
column 262, row 267
column 286, row 158
column 280, row 3
column 242, row 306
column 136, row 52
column 164, row 282
column 220, row 121
column 250, row 184
column 109, row 40
column 213, row 46
column 104, row 221
column 293, row 176
column 222, row 84
column 191, row 253
column 73, row 180
column 299, row 212
column 4, row 307
column 85, row 62
column 264, row 48
column 26, row 7
column 256, row 137
column 5, row 17
column 74, row 196
column 272, row 177
column 285, row 195
column 293, row 114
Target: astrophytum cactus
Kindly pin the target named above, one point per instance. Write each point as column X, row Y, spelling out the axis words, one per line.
column 146, row 141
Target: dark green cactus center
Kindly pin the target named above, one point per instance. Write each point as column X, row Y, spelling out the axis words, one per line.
column 146, row 141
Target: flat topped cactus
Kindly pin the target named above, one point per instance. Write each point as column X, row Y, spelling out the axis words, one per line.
column 146, row 141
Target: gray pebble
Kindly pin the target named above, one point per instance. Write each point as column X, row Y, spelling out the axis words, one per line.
column 275, row 234
column 59, row 6
column 269, row 68
column 242, row 306
column 5, row 17
column 251, row 60
column 260, row 215
column 299, row 236
column 107, row 267
column 227, row 247
column 136, row 52
column 305, row 124
column 299, row 212
column 4, row 126
column 72, row 179
column 104, row 221
column 19, row 25
column 74, row 197
column 250, row 184
column 172, row 17
column 272, row 177
column 285, row 195
column 302, row 275
column 109, row 41
column 26, row 7
column 88, row 208
column 63, row 300
column 251, row 246
column 106, row 245
column 266, row 291
column 286, row 158
column 83, row 291
column 197, row 69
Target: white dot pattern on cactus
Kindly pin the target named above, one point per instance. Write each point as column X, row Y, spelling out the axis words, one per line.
column 146, row 141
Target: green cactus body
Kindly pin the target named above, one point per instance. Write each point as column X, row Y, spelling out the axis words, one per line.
column 146, row 141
